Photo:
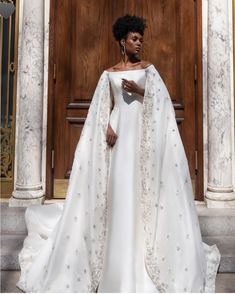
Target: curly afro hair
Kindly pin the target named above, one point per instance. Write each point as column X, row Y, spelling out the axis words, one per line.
column 127, row 24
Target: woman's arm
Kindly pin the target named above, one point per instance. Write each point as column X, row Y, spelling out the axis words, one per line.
column 111, row 136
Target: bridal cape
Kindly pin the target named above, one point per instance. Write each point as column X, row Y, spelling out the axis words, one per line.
column 65, row 247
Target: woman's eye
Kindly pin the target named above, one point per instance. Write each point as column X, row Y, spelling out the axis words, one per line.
column 135, row 39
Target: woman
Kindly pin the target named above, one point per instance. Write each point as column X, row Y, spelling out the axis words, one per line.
column 129, row 222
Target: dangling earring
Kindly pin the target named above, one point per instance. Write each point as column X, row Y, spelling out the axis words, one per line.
column 123, row 52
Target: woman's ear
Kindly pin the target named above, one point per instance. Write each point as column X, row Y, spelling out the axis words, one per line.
column 122, row 42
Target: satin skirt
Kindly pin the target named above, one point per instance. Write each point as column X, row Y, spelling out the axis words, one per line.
column 124, row 267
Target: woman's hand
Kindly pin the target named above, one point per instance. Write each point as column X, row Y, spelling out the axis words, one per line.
column 111, row 136
column 132, row 87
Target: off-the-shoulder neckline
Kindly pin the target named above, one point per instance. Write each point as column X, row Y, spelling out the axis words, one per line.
column 128, row 69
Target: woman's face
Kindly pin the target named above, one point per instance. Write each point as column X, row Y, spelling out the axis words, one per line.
column 133, row 43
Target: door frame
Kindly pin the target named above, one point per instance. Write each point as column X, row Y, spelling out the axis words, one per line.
column 199, row 183
column 51, row 104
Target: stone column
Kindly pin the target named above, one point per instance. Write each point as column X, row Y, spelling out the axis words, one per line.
column 220, row 190
column 28, row 162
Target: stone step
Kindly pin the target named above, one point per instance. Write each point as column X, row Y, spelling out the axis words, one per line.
column 12, row 219
column 216, row 221
column 12, row 244
column 213, row 221
column 226, row 246
column 217, row 227
column 10, row 248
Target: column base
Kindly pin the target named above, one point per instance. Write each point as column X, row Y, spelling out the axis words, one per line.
column 22, row 198
column 13, row 202
column 220, row 200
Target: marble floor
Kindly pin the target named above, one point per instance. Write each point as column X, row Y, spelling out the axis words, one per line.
column 225, row 282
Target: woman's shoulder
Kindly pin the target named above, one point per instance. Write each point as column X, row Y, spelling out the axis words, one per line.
column 110, row 69
column 116, row 67
column 142, row 65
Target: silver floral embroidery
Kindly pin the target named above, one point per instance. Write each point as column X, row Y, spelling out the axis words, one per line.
column 145, row 156
column 148, row 201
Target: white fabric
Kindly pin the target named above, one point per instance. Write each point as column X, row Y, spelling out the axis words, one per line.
column 129, row 223
column 124, row 269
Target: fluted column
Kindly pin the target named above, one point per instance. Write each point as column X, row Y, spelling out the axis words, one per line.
column 28, row 164
column 220, row 190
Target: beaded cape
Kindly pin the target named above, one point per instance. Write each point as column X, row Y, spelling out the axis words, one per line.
column 68, row 255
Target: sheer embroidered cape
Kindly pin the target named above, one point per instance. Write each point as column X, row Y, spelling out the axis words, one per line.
column 65, row 247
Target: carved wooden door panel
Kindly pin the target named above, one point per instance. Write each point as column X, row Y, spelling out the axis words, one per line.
column 82, row 46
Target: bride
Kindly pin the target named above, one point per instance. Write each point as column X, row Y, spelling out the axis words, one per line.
column 129, row 222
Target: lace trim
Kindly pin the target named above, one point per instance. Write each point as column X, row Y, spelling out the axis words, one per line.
column 145, row 157
column 97, row 259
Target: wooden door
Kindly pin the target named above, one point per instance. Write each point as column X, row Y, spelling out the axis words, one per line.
column 82, row 46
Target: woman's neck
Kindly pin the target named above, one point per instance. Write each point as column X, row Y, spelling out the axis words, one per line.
column 130, row 61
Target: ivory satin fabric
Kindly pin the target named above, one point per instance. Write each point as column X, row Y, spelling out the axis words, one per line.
column 129, row 222
column 124, row 268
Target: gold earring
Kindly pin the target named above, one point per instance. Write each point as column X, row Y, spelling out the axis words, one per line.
column 123, row 50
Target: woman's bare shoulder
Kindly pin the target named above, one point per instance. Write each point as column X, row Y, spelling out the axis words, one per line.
column 113, row 68
column 109, row 69
column 145, row 64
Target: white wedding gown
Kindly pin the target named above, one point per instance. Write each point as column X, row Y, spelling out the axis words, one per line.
column 124, row 269
column 71, row 248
